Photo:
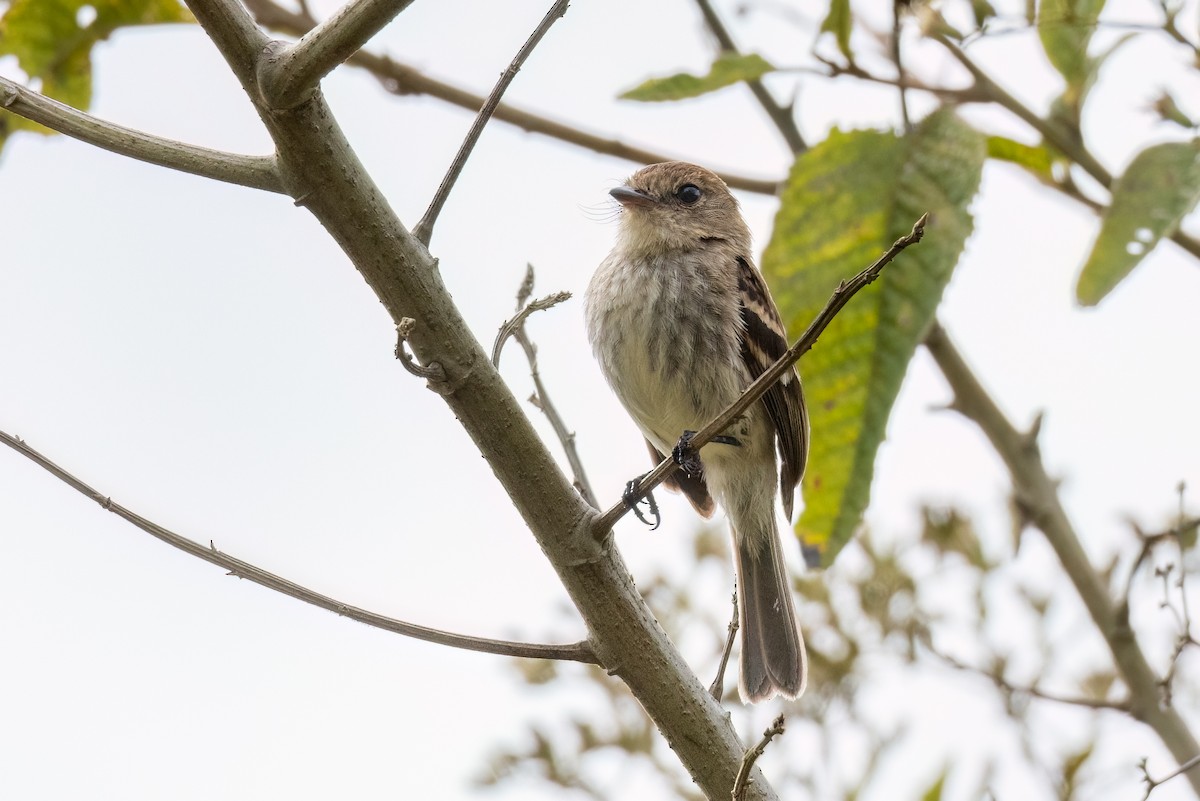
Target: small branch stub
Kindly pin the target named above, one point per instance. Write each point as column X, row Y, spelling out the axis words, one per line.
column 431, row 372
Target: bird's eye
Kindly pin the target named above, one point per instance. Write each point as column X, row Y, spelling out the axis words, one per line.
column 688, row 194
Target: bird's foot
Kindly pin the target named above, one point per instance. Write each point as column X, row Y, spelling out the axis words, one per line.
column 688, row 458
column 631, row 498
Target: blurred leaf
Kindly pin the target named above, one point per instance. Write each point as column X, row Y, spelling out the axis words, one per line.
column 727, row 70
column 53, row 39
column 839, row 22
column 1097, row 685
column 1187, row 533
column 1166, row 108
column 951, row 532
column 1070, row 770
column 983, row 11
column 934, row 793
column 1035, row 158
column 846, row 201
column 1065, row 28
column 1159, row 187
column 537, row 671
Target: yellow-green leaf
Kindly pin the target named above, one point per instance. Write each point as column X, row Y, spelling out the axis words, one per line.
column 839, row 22
column 1159, row 187
column 845, row 202
column 53, row 39
column 727, row 70
column 1036, row 158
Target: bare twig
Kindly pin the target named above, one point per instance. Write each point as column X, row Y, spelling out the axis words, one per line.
column 1153, row 783
column 424, row 229
column 511, row 327
column 752, row 755
column 841, row 296
column 781, row 116
column 296, row 69
column 717, row 688
column 515, row 328
column 1037, row 493
column 574, row 652
column 403, row 79
column 1008, row 688
column 897, row 19
column 256, row 172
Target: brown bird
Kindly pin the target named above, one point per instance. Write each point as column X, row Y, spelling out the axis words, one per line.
column 681, row 322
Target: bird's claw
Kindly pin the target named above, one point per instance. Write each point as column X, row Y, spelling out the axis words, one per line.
column 630, row 496
column 688, row 458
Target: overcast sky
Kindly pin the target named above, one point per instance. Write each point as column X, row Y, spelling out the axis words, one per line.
column 205, row 355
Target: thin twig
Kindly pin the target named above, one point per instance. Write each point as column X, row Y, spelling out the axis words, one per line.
column 897, row 19
column 511, row 327
column 296, row 69
column 256, row 172
column 404, row 79
column 1152, row 783
column 752, row 755
column 841, row 296
column 424, row 229
column 515, row 328
column 1009, row 688
column 782, row 116
column 717, row 688
column 574, row 652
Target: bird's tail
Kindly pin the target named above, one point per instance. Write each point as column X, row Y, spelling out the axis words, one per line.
column 773, row 658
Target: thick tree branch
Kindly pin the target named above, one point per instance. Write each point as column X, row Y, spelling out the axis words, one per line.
column 576, row 652
column 423, row 230
column 326, row 177
column 403, row 79
column 841, row 296
column 256, row 172
column 293, row 71
column 1037, row 495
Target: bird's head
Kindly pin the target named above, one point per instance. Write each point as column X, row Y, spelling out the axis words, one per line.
column 676, row 206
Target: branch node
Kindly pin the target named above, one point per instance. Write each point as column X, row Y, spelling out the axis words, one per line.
column 432, row 372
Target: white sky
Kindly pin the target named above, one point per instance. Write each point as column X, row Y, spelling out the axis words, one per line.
column 206, row 356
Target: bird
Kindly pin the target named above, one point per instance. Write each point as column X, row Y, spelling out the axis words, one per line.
column 681, row 322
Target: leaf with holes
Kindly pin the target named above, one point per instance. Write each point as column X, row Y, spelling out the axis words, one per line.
column 726, row 71
column 1159, row 187
column 846, row 201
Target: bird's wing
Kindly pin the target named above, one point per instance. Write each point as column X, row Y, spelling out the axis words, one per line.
column 764, row 339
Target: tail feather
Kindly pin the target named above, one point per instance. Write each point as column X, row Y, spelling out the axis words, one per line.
column 773, row 658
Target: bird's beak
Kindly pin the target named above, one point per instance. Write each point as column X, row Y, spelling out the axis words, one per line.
column 628, row 196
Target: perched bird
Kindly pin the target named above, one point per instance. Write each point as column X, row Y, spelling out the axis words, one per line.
column 681, row 322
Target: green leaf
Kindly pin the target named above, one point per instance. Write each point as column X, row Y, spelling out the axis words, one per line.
column 54, row 48
column 1065, row 28
column 727, row 70
column 839, row 22
column 934, row 793
column 1159, row 187
column 1036, row 158
column 846, row 201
